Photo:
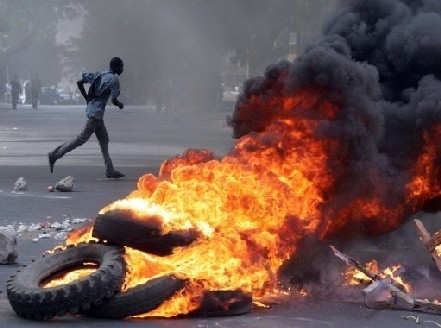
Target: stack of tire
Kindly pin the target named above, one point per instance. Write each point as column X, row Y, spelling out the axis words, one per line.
column 99, row 294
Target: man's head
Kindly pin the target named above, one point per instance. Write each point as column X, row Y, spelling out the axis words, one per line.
column 116, row 65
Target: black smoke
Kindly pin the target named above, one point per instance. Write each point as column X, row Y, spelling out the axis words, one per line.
column 380, row 61
column 402, row 41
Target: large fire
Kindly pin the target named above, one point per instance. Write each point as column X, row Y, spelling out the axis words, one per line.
column 251, row 207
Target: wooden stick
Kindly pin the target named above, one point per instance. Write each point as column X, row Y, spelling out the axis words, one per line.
column 429, row 242
column 401, row 298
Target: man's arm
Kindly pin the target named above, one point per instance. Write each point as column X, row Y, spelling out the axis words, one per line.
column 80, row 84
column 117, row 103
column 114, row 92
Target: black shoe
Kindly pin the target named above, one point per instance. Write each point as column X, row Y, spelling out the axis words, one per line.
column 52, row 161
column 115, row 175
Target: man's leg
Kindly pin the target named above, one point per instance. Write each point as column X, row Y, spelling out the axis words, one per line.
column 68, row 146
column 14, row 100
column 34, row 100
column 103, row 139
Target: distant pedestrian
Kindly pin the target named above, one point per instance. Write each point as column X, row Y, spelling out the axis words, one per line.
column 173, row 97
column 15, row 91
column 103, row 84
column 28, row 93
column 35, row 90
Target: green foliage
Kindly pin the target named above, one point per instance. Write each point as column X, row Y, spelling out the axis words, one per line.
column 19, row 16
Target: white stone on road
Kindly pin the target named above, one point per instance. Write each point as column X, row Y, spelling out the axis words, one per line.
column 20, row 184
column 8, row 242
column 66, row 184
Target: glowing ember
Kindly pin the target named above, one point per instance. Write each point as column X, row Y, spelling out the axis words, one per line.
column 261, row 305
column 438, row 250
column 355, row 277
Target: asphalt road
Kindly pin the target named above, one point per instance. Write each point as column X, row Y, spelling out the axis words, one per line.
column 140, row 140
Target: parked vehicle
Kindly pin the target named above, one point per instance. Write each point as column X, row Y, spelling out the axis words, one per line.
column 229, row 97
column 65, row 96
column 49, row 96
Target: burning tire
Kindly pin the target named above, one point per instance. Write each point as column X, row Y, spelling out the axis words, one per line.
column 137, row 300
column 31, row 300
column 119, row 228
column 224, row 303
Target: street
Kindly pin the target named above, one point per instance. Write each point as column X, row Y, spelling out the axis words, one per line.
column 140, row 139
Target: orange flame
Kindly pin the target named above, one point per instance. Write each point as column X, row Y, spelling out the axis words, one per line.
column 355, row 277
column 425, row 184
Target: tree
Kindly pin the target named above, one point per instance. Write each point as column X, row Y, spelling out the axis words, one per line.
column 27, row 37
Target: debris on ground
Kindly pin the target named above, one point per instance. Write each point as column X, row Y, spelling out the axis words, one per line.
column 61, row 235
column 400, row 299
column 8, row 242
column 67, row 184
column 44, row 229
column 20, row 184
column 44, row 236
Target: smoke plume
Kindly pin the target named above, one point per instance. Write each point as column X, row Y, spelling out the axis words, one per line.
column 378, row 63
